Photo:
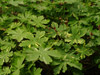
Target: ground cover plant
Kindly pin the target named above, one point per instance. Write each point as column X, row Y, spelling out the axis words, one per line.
column 49, row 37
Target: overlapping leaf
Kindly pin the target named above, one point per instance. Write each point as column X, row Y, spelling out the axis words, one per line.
column 18, row 34
column 42, row 54
column 6, row 45
column 39, row 39
column 69, row 59
column 17, row 63
column 76, row 35
column 4, row 56
column 39, row 21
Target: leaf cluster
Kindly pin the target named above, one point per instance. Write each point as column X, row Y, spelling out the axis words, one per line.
column 57, row 33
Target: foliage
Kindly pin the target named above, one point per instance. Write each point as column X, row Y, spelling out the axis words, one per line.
column 57, row 33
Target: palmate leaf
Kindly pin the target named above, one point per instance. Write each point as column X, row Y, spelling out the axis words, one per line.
column 59, row 28
column 6, row 45
column 83, row 51
column 69, row 59
column 4, row 56
column 46, row 31
column 75, row 40
column 39, row 21
column 36, row 71
column 98, row 40
column 24, row 18
column 17, row 63
column 78, row 30
column 14, row 25
column 19, row 34
column 41, row 6
column 15, row 3
column 17, row 72
column 5, row 71
column 96, row 32
column 77, row 33
column 51, row 33
column 68, row 1
column 3, row 18
column 36, row 40
column 63, row 66
column 43, row 54
column 55, row 42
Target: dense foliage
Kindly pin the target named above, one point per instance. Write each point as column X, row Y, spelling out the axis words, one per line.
column 49, row 37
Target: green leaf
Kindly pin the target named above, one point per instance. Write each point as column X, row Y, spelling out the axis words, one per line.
column 58, row 29
column 98, row 40
column 36, row 71
column 68, row 59
column 18, row 34
column 17, row 63
column 75, row 64
column 15, row 3
column 83, row 51
column 99, row 66
column 39, row 39
column 61, row 66
column 14, row 25
column 41, row 6
column 5, row 56
column 68, row 1
column 17, row 72
column 5, row 71
column 6, row 45
column 26, row 17
column 39, row 21
column 43, row 54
